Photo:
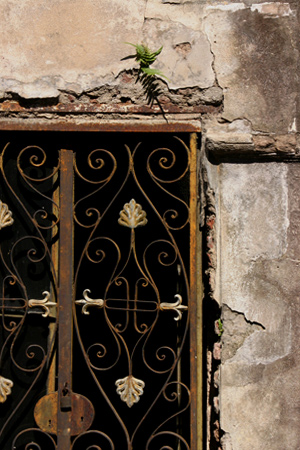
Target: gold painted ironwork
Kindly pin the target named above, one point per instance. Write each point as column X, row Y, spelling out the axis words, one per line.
column 5, row 216
column 5, row 388
column 44, row 304
column 176, row 306
column 132, row 215
column 130, row 389
column 87, row 302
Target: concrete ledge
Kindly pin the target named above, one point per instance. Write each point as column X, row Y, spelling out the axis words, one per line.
column 237, row 142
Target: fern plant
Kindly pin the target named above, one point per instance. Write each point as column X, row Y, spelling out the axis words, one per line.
column 146, row 74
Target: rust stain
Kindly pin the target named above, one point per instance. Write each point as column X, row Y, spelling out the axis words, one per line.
column 99, row 126
column 123, row 108
column 46, row 410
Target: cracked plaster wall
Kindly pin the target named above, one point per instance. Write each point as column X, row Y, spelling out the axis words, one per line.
column 259, row 284
column 78, row 45
column 245, row 51
column 241, row 56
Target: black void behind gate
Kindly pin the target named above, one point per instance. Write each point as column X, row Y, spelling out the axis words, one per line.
column 98, row 291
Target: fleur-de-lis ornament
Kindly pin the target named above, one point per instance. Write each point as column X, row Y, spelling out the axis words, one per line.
column 87, row 302
column 176, row 306
column 44, row 303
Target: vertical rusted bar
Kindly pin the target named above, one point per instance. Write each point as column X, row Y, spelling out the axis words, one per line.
column 195, row 311
column 65, row 297
column 51, row 387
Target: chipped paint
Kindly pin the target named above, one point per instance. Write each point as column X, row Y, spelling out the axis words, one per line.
column 232, row 7
column 293, row 126
column 273, row 9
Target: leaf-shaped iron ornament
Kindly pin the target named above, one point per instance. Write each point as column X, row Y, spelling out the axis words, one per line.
column 5, row 216
column 176, row 306
column 132, row 215
column 5, row 388
column 87, row 301
column 130, row 389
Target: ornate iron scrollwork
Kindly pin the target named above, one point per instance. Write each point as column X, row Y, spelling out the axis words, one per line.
column 131, row 274
column 131, row 236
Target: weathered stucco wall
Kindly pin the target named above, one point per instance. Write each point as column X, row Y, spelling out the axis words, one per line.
column 244, row 51
column 260, row 258
column 232, row 66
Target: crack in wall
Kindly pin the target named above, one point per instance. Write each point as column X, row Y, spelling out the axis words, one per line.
column 211, row 313
column 236, row 329
column 213, row 64
column 145, row 12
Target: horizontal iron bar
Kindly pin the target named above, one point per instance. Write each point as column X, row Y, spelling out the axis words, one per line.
column 29, row 312
column 101, row 126
column 88, row 108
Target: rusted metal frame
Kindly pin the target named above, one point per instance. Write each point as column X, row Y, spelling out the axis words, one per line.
column 12, row 106
column 196, row 406
column 65, row 296
column 53, row 324
column 125, row 126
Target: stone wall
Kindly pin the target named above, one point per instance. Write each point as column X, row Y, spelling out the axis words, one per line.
column 233, row 68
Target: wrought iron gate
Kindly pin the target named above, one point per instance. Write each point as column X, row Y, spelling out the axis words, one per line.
column 98, row 291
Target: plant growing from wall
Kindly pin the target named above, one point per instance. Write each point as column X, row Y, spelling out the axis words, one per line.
column 148, row 76
column 220, row 327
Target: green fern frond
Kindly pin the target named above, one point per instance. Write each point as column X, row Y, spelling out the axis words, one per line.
column 150, row 71
column 146, row 75
column 144, row 55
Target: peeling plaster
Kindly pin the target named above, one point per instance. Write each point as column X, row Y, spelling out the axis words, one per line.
column 182, row 68
column 232, row 7
column 293, row 126
column 38, row 89
column 272, row 9
column 237, row 328
column 267, row 347
column 226, row 441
